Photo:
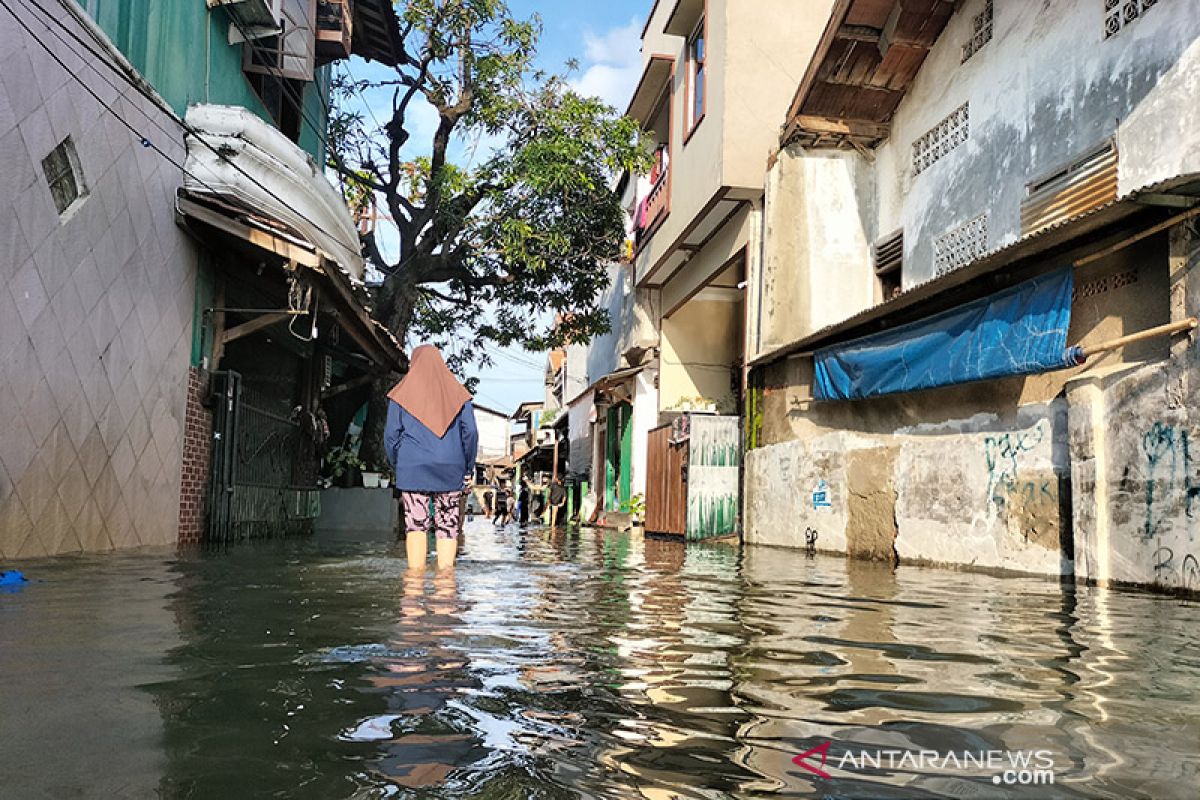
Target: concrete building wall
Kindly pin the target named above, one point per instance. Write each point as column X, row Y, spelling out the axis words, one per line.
column 633, row 319
column 767, row 50
column 1132, row 434
column 493, row 433
column 1045, row 90
column 95, row 314
column 988, row 474
column 700, row 343
column 757, row 53
column 819, row 223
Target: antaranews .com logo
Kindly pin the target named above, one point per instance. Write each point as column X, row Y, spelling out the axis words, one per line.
column 1007, row 767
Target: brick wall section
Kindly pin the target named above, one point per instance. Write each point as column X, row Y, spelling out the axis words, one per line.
column 197, row 449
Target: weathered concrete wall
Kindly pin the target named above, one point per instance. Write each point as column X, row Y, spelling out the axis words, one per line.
column 1046, row 89
column 95, row 315
column 1133, row 435
column 819, row 223
column 633, row 324
column 980, row 491
column 1086, row 471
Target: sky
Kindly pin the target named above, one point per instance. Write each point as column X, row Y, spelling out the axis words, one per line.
column 604, row 37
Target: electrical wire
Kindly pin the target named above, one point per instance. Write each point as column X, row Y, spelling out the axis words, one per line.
column 169, row 112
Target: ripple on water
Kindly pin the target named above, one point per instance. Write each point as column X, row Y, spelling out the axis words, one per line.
column 593, row 664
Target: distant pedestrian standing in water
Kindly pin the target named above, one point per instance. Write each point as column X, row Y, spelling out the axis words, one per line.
column 431, row 441
column 558, row 499
column 501, row 517
column 523, row 503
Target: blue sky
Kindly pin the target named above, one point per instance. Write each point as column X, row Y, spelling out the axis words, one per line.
column 604, row 38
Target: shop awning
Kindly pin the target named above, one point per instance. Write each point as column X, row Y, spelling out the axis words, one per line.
column 1019, row 331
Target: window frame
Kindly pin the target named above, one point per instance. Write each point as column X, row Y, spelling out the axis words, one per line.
column 697, row 76
column 71, row 170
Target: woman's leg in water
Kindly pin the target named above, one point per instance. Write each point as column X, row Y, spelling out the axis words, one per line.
column 447, row 519
column 416, row 525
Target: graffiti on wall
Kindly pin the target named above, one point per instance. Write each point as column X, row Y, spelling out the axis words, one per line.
column 1025, row 493
column 1168, row 465
column 1004, row 454
column 1170, row 571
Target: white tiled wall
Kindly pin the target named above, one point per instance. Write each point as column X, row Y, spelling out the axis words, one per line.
column 95, row 313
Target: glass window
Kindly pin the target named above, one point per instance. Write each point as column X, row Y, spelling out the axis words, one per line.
column 62, row 175
column 697, row 55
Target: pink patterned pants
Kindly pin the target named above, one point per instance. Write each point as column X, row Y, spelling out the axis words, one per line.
column 446, row 516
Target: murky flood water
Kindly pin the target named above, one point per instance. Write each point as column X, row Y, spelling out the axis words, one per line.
column 584, row 664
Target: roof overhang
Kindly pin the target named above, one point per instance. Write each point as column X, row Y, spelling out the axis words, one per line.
column 684, row 17
column 207, row 215
column 377, row 34
column 656, row 79
column 722, row 207
column 1028, row 256
column 865, row 62
column 614, row 378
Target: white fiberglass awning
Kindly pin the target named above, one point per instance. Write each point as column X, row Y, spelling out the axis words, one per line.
column 245, row 159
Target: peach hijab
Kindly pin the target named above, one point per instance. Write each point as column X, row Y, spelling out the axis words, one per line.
column 429, row 391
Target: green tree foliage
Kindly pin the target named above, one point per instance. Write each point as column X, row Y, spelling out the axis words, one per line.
column 486, row 248
column 520, row 230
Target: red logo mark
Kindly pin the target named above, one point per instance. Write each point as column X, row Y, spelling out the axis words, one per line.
column 823, row 750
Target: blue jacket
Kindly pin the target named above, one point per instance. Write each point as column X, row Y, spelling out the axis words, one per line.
column 423, row 462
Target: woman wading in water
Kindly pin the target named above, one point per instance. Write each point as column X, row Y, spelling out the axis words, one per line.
column 431, row 442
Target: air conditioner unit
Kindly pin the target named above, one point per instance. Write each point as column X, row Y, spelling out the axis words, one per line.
column 251, row 19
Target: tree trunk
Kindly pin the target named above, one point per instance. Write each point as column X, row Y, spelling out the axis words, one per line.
column 394, row 308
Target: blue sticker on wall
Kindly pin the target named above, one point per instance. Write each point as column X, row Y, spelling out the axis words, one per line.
column 821, row 496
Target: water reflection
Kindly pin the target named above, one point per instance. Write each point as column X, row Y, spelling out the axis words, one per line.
column 591, row 663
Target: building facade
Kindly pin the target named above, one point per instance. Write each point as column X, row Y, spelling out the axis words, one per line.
column 114, row 265
column 955, row 166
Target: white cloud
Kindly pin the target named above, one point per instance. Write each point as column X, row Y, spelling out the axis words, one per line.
column 611, row 64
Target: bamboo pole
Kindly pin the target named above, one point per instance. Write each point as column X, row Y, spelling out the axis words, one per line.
column 1162, row 330
column 1137, row 237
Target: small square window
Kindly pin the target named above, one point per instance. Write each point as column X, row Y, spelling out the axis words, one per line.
column 63, row 175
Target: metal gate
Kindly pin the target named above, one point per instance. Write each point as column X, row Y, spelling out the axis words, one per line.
column 263, row 473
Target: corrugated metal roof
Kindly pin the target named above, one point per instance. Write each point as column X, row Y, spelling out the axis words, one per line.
column 1026, row 247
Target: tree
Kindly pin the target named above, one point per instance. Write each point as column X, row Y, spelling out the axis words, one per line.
column 524, row 231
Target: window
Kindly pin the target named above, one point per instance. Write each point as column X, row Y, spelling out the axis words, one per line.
column 1118, row 14
column 942, row 138
column 887, row 254
column 697, row 61
column 960, row 246
column 63, row 175
column 981, row 31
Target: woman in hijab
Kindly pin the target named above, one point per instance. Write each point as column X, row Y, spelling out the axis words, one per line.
column 431, row 442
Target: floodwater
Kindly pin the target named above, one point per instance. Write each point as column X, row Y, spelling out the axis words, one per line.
column 584, row 664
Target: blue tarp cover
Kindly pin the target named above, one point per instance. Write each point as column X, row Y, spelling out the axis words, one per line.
column 1019, row 331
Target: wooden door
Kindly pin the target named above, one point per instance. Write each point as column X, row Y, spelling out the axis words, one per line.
column 666, row 483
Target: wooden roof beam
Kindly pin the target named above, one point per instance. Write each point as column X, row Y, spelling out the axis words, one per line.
column 843, row 127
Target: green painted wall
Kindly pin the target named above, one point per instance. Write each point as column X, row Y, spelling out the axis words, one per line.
column 182, row 48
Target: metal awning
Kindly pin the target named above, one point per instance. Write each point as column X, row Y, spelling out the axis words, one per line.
column 996, row 270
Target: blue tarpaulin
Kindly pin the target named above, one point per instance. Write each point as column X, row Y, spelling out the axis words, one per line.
column 1019, row 331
